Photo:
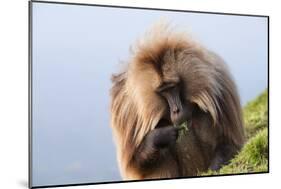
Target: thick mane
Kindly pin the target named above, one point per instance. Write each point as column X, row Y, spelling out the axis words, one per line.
column 123, row 119
column 128, row 123
column 218, row 96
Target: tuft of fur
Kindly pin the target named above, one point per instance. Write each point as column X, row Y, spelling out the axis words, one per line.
column 136, row 108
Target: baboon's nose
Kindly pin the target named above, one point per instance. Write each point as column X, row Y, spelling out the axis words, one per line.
column 176, row 110
column 178, row 116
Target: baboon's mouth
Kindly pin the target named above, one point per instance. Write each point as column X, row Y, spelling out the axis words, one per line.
column 164, row 122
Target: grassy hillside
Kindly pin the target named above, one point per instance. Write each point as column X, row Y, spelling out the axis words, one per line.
column 254, row 155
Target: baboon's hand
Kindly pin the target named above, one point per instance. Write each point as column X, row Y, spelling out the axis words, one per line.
column 164, row 136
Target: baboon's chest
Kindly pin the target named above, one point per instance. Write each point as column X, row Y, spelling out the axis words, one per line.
column 189, row 156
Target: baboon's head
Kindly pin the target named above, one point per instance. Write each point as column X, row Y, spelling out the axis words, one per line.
column 158, row 78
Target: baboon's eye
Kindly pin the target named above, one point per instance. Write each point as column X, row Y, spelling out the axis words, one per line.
column 165, row 87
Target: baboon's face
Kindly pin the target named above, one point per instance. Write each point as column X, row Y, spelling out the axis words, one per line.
column 159, row 83
column 171, row 89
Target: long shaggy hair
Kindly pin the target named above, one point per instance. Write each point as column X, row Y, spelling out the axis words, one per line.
column 136, row 108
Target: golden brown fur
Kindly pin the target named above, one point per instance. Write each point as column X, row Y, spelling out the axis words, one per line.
column 136, row 109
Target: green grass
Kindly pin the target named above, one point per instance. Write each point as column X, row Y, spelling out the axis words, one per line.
column 255, row 115
column 254, row 155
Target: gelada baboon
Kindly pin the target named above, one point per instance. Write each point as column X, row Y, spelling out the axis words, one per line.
column 171, row 79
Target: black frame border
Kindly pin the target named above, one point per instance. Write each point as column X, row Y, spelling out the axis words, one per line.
column 30, row 90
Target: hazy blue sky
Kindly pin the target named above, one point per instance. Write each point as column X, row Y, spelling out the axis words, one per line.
column 75, row 51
